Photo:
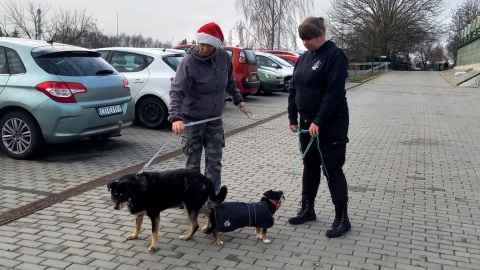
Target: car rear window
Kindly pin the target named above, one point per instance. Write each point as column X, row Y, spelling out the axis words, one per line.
column 82, row 63
column 250, row 56
column 172, row 61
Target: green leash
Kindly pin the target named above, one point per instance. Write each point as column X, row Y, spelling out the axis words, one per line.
column 299, row 131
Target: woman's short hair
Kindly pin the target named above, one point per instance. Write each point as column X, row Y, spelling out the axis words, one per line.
column 311, row 27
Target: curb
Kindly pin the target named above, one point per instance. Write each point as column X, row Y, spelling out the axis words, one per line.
column 374, row 77
column 361, row 82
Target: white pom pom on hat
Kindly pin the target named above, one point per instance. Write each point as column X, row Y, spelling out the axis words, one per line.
column 211, row 34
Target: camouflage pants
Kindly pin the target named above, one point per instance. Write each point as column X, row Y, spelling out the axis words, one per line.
column 209, row 135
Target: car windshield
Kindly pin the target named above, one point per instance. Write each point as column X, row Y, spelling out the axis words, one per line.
column 279, row 60
column 289, row 61
column 251, row 58
column 172, row 61
column 73, row 63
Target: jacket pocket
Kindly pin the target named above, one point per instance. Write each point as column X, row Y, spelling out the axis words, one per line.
column 193, row 102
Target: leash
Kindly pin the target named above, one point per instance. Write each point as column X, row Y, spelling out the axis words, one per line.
column 299, row 131
column 247, row 113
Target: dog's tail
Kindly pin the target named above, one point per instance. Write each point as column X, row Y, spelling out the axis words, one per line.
column 220, row 197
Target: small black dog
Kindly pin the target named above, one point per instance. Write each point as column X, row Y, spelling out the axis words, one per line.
column 150, row 193
column 229, row 216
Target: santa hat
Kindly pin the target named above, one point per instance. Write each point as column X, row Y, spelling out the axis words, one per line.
column 211, row 34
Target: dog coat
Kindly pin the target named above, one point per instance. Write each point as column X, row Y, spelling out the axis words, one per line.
column 233, row 215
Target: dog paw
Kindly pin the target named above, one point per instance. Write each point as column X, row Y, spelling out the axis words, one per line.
column 204, row 228
column 132, row 237
column 266, row 241
column 184, row 237
column 259, row 236
column 152, row 248
column 220, row 242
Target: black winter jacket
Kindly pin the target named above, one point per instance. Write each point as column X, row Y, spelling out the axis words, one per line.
column 318, row 84
column 234, row 215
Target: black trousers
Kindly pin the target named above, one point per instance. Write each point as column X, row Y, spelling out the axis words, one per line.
column 333, row 144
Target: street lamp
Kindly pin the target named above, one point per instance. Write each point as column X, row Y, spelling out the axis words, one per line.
column 230, row 36
column 117, row 26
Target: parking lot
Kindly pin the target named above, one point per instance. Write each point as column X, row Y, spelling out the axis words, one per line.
column 413, row 167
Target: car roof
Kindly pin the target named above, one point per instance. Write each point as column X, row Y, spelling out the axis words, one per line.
column 38, row 46
column 225, row 47
column 147, row 51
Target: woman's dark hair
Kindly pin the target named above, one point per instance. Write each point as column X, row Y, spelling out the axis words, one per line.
column 311, row 27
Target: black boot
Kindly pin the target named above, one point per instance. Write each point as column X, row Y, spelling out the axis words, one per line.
column 340, row 225
column 304, row 214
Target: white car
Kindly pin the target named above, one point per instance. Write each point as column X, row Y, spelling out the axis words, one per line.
column 150, row 72
column 276, row 64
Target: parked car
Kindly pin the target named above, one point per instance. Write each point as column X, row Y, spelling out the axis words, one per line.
column 150, row 73
column 54, row 93
column 270, row 81
column 245, row 68
column 291, row 59
column 277, row 64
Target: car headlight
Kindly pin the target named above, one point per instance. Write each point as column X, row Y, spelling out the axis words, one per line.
column 267, row 75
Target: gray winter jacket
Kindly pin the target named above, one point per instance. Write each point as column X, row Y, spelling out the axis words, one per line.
column 198, row 90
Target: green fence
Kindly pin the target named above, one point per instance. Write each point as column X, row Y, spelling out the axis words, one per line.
column 470, row 32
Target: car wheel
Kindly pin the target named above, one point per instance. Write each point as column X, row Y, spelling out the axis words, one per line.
column 21, row 136
column 259, row 91
column 287, row 84
column 152, row 112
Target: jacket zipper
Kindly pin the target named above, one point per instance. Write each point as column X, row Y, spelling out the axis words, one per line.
column 216, row 80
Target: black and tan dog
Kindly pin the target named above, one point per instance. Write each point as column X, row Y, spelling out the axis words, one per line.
column 150, row 193
column 229, row 216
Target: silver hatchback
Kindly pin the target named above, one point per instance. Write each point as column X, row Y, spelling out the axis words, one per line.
column 54, row 93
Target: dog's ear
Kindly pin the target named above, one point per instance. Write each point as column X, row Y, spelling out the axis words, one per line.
column 111, row 185
column 267, row 193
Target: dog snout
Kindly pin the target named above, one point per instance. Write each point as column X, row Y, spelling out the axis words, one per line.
column 117, row 206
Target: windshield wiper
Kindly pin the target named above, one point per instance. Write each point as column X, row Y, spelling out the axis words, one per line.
column 104, row 72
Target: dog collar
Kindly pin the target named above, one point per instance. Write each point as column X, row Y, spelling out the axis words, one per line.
column 277, row 204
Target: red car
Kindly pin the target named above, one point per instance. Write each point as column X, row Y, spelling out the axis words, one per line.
column 245, row 69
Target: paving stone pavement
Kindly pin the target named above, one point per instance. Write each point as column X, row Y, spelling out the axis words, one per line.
column 413, row 166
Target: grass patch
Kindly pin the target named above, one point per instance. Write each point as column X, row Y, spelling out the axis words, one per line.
column 362, row 77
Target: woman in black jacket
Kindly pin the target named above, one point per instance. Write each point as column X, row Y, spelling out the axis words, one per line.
column 317, row 101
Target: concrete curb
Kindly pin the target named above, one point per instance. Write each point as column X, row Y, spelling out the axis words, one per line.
column 374, row 77
column 360, row 83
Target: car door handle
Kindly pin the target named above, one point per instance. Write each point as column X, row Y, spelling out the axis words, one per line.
column 138, row 81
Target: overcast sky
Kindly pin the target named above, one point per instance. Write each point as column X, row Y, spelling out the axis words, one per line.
column 162, row 19
column 167, row 19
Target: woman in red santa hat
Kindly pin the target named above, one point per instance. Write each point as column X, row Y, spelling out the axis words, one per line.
column 198, row 93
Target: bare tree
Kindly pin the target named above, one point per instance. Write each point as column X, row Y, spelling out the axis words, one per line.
column 437, row 53
column 270, row 24
column 462, row 15
column 386, row 26
column 27, row 20
column 70, row 26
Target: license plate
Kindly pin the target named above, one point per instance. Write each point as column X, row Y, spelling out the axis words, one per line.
column 254, row 77
column 109, row 110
